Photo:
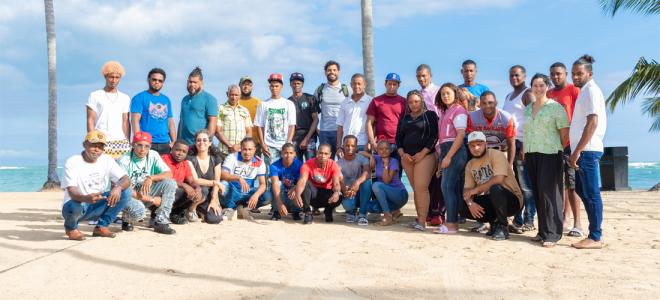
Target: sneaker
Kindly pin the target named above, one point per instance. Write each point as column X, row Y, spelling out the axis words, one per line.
column 126, row 226
column 244, row 213
column 435, row 221
column 492, row 230
column 192, row 216
column 178, row 219
column 296, row 216
column 513, row 228
column 328, row 215
column 164, row 228
column 480, row 228
column 92, row 222
column 500, row 233
column 350, row 218
column 276, row 216
column 308, row 218
column 255, row 211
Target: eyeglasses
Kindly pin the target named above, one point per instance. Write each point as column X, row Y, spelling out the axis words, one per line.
column 202, row 140
column 156, row 80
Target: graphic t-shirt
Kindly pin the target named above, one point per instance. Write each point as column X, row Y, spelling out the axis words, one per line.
column 109, row 108
column 139, row 168
column 275, row 116
column 352, row 169
column 90, row 178
column 321, row 177
column 387, row 110
column 306, row 105
column 155, row 112
column 493, row 163
column 195, row 111
column 476, row 89
column 180, row 170
column 249, row 170
column 497, row 130
column 287, row 176
column 566, row 97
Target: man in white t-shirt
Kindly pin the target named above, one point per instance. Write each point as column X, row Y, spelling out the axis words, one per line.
column 352, row 118
column 107, row 111
column 586, row 139
column 275, row 120
column 241, row 172
column 86, row 179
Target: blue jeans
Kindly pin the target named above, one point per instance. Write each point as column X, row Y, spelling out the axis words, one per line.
column 284, row 196
column 453, row 178
column 587, row 187
column 309, row 153
column 526, row 215
column 389, row 198
column 364, row 194
column 74, row 211
column 329, row 137
column 135, row 209
column 234, row 196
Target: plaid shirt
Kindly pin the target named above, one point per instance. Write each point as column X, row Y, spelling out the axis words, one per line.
column 233, row 122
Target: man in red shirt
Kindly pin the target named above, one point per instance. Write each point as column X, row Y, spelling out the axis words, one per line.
column 566, row 94
column 319, row 184
column 384, row 113
column 187, row 192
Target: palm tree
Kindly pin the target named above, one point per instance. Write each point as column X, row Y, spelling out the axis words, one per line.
column 645, row 78
column 368, row 46
column 52, row 182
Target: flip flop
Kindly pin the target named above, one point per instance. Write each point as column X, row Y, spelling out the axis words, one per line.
column 417, row 226
column 575, row 232
column 442, row 229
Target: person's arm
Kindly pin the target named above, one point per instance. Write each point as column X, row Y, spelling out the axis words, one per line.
column 198, row 180
column 292, row 131
column 370, row 131
column 275, row 184
column 563, row 136
column 340, row 147
column 388, row 173
column 221, row 136
column 172, row 128
column 300, row 185
column 458, row 142
column 527, row 97
column 312, row 128
column 126, row 126
column 511, row 150
column 212, row 122
column 91, row 119
column 135, row 122
column 336, row 187
column 484, row 187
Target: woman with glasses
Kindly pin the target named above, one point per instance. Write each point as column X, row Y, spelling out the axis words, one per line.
column 207, row 167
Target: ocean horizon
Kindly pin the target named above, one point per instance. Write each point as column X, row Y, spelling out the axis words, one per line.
column 641, row 176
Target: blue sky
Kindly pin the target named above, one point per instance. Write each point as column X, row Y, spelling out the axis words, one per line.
column 229, row 39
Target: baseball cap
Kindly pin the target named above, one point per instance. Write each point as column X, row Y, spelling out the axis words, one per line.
column 393, row 76
column 476, row 136
column 276, row 77
column 244, row 79
column 142, row 137
column 95, row 136
column 297, row 76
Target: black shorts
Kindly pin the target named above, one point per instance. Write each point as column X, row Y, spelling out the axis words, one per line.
column 569, row 171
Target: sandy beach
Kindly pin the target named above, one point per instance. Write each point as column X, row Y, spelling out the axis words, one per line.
column 282, row 260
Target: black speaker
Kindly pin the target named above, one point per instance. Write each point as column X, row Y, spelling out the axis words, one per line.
column 614, row 169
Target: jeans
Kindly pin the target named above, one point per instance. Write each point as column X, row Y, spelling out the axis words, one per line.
column 275, row 154
column 525, row 216
column 310, row 152
column 453, row 178
column 234, row 196
column 364, row 194
column 165, row 189
column 284, row 196
column 389, row 198
column 74, row 211
column 588, row 188
column 329, row 137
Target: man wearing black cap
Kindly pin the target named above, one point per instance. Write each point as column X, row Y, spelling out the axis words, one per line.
column 307, row 118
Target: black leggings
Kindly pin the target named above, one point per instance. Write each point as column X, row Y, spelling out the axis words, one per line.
column 499, row 203
column 317, row 198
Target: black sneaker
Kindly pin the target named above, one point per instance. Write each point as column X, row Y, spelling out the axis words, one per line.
column 491, row 230
column 328, row 215
column 513, row 228
column 316, row 212
column 308, row 218
column 500, row 233
column 296, row 216
column 178, row 219
column 164, row 228
column 276, row 216
column 126, row 226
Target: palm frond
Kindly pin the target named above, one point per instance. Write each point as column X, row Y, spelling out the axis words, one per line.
column 645, row 79
column 651, row 108
column 646, row 7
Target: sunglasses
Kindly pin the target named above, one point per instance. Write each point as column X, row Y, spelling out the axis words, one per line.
column 202, row 140
column 156, row 80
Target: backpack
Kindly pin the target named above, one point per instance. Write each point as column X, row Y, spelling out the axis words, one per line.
column 319, row 91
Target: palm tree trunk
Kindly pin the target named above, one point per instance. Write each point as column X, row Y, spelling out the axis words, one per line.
column 52, row 182
column 368, row 46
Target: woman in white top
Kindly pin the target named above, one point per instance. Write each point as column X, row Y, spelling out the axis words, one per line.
column 107, row 111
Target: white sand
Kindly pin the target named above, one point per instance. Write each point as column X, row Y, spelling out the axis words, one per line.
column 282, row 260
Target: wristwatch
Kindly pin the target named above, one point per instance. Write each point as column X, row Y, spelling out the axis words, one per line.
column 470, row 203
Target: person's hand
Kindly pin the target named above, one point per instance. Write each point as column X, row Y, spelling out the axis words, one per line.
column 171, row 144
column 156, row 201
column 292, row 193
column 572, row 161
column 190, row 192
column 334, row 198
column 340, row 153
column 418, row 156
column 199, row 197
column 283, row 210
column 303, row 144
column 469, row 193
column 298, row 200
column 214, row 206
column 115, row 194
column 234, row 148
column 407, row 158
column 374, row 146
column 146, row 185
column 476, row 210
column 252, row 202
column 244, row 185
column 445, row 162
column 354, row 188
column 95, row 197
column 264, row 151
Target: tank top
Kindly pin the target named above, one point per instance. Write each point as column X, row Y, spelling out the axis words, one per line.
column 210, row 173
column 516, row 108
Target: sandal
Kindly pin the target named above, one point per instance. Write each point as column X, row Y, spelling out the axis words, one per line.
column 397, row 215
column 575, row 232
column 386, row 220
column 537, row 238
column 548, row 244
column 362, row 221
column 442, row 229
column 419, row 227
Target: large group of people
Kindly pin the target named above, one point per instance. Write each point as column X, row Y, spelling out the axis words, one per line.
column 464, row 157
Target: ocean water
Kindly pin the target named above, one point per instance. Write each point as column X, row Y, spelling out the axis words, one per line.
column 641, row 176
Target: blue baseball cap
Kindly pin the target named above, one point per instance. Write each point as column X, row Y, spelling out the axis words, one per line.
column 297, row 76
column 393, row 76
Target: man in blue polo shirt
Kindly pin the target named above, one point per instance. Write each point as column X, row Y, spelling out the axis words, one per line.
column 151, row 112
column 469, row 72
column 199, row 109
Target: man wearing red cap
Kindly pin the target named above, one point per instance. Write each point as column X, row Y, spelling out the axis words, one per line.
column 275, row 120
column 152, row 185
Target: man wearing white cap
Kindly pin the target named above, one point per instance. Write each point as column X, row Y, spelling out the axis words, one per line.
column 491, row 191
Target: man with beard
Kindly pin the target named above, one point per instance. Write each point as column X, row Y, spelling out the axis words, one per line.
column 330, row 95
column 234, row 123
column 491, row 192
column 199, row 109
column 307, row 118
column 151, row 111
column 251, row 103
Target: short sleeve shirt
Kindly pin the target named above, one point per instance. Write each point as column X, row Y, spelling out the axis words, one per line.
column 233, row 123
column 109, row 109
column 139, row 168
column 353, row 118
column 590, row 102
column 90, row 178
column 155, row 112
column 393, row 166
column 542, row 131
column 476, row 89
column 330, row 103
column 306, row 105
column 479, row 170
column 287, row 176
column 387, row 110
column 249, row 170
column 352, row 169
column 566, row 97
column 275, row 116
column 321, row 177
column 195, row 111
column 180, row 170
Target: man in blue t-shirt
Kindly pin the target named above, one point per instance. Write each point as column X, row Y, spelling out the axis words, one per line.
column 284, row 174
column 199, row 109
column 469, row 72
column 151, row 112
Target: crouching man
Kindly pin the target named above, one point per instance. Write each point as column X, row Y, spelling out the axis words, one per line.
column 491, row 191
column 86, row 177
column 152, row 186
column 284, row 174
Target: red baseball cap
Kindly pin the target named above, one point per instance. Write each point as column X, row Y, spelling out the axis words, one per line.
column 142, row 137
column 276, row 77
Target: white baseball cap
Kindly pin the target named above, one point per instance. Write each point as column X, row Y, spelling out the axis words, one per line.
column 476, row 136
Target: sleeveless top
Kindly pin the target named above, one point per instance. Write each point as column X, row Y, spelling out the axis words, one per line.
column 516, row 108
column 210, row 173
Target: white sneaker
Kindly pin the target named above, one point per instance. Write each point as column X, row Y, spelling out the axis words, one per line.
column 228, row 214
